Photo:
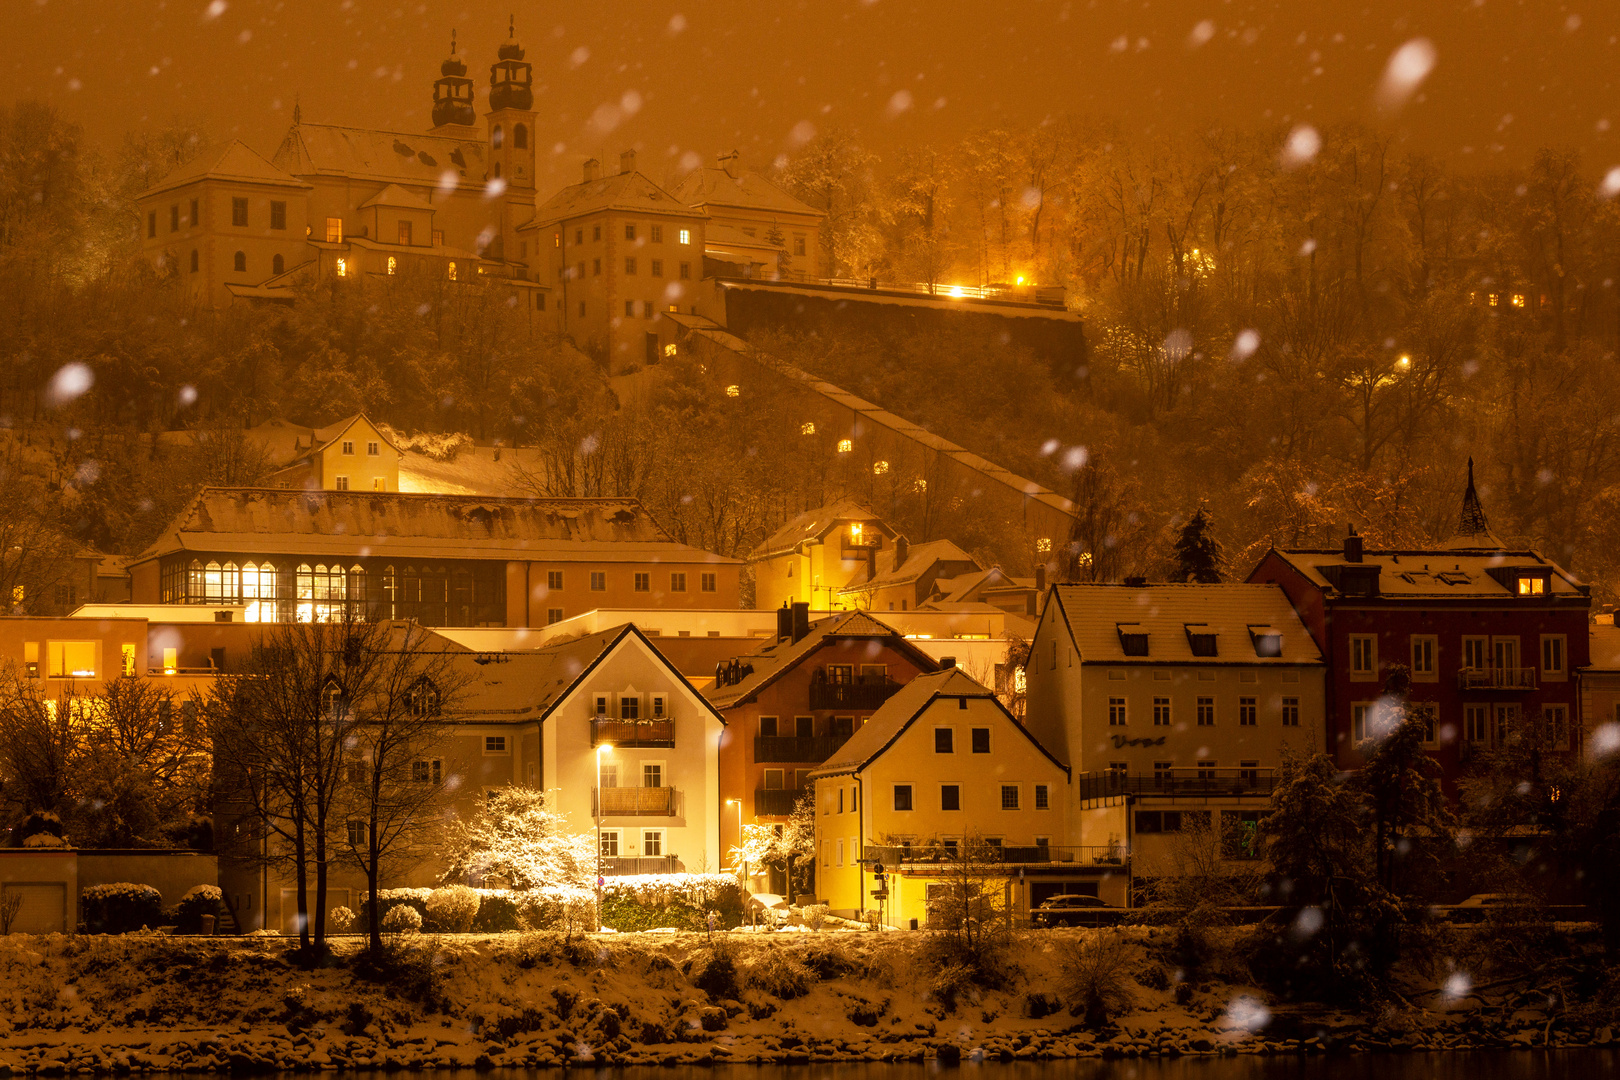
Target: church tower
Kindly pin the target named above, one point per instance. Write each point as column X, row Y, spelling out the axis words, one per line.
column 511, row 116
column 453, row 113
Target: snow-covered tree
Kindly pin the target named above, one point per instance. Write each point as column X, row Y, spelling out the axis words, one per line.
column 514, row 836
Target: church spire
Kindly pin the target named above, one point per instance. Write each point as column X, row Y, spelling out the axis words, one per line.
column 453, row 91
column 511, row 79
column 1473, row 531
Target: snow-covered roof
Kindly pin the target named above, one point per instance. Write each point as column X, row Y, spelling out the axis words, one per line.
column 1239, row 616
column 718, row 237
column 395, row 196
column 388, row 156
column 1605, row 645
column 967, row 588
column 1441, row 573
column 272, row 521
column 779, row 657
column 897, row 714
column 939, row 302
column 920, row 558
column 631, row 192
column 815, row 525
column 745, row 191
column 237, row 163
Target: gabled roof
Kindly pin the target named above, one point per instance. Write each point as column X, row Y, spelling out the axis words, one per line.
column 1440, row 573
column 815, row 525
column 276, row 521
column 729, row 236
column 1098, row 618
column 920, row 558
column 964, row 588
column 745, row 191
column 532, row 684
column 631, row 192
column 908, row 704
column 237, row 163
column 388, row 156
column 779, row 657
column 396, row 196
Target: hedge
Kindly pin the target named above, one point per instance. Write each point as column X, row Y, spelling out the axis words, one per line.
column 121, row 906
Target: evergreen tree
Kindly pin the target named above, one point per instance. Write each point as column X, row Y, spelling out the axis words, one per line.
column 1197, row 553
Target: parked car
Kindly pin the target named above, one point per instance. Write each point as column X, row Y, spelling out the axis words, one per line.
column 1069, row 909
column 769, row 910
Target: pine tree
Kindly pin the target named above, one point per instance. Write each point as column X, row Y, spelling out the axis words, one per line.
column 1197, row 553
column 1402, row 782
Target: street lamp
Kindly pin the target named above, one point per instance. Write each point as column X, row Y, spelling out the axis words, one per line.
column 738, row 804
column 604, row 748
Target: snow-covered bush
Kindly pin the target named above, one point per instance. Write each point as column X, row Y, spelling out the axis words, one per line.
column 43, row 824
column 121, row 906
column 401, row 920
column 1094, row 974
column 678, row 901
column 778, row 973
column 200, row 900
column 715, row 972
column 513, row 836
column 387, row 900
column 815, row 915
column 340, row 920
column 452, row 909
column 440, row 446
column 569, row 911
column 498, row 913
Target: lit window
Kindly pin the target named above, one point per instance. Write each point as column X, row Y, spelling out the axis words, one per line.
column 1043, row 545
column 391, row 264
column 920, row 484
column 1518, row 299
column 733, row 390
column 855, row 530
column 807, row 428
column 845, row 445
column 879, row 468
column 452, row 270
column 343, row 268
column 334, row 230
column 1532, row 586
column 669, row 350
column 686, row 236
column 379, row 484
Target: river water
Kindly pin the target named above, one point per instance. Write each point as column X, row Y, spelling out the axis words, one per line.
column 1588, row 1064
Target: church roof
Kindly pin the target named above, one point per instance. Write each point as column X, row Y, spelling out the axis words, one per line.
column 396, row 196
column 237, row 163
column 388, row 156
column 632, row 191
column 747, row 191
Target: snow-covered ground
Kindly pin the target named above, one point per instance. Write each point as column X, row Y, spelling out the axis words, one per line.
column 157, row 1003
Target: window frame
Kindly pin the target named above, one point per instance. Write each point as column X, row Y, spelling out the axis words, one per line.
column 1367, row 644
column 952, row 790
column 1162, row 714
column 1425, row 647
column 910, row 798
column 497, row 745
column 1248, row 712
column 1118, row 712
column 946, row 736
column 1560, row 642
column 1204, row 715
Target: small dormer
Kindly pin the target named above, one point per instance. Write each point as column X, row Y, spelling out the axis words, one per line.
column 1267, row 641
column 1133, row 638
column 1527, row 582
column 1201, row 639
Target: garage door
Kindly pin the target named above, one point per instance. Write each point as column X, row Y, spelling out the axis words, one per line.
column 44, row 907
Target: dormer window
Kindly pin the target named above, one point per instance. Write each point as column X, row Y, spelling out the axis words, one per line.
column 1201, row 639
column 1532, row 585
column 1133, row 639
column 1267, row 641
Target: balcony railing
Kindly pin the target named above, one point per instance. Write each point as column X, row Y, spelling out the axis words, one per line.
column 1178, row 782
column 1497, row 678
column 656, row 864
column 866, row 693
column 801, row 748
column 634, row 802
column 1077, row 856
column 777, row 802
column 657, row 731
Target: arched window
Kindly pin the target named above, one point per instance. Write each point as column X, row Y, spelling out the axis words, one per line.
column 241, row 262
column 497, row 172
column 390, row 264
column 422, row 699
column 194, row 582
column 278, row 264
column 334, row 701
column 496, row 138
column 520, row 137
column 193, row 260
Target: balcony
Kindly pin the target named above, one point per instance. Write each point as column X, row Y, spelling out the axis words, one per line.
column 656, row 864
column 813, row 749
column 1042, row 854
column 634, row 802
column 865, row 693
column 777, row 802
column 1195, row 783
column 1497, row 678
column 658, row 731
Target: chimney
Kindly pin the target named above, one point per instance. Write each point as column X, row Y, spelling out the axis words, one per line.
column 902, row 548
column 731, row 163
column 627, row 162
column 784, row 622
column 1352, row 546
column 946, row 663
column 801, row 621
column 1136, row 582
column 593, row 170
column 1040, row 578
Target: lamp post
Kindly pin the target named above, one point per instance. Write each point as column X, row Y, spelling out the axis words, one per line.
column 738, row 804
column 604, row 748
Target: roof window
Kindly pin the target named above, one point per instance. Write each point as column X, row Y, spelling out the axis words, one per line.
column 1201, row 639
column 1133, row 639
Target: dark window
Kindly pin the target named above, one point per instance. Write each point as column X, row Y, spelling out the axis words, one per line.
column 239, row 263
column 554, row 579
column 151, row 223
column 238, row 211
column 629, row 266
column 657, row 234
column 1133, row 644
column 1202, row 644
column 540, row 301
column 708, row 582
column 174, row 218
column 686, row 270
column 944, row 741
column 950, row 797
column 277, row 264
column 194, row 260
column 629, row 232
column 278, row 215
column 981, row 739
column 520, row 137
column 902, row 796
column 195, row 214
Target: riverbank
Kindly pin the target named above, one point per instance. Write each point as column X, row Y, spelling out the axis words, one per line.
column 157, row 1004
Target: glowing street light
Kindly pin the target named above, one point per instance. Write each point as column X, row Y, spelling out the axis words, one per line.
column 603, row 748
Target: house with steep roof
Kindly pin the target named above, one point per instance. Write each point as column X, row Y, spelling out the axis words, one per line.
column 790, row 703
column 755, row 227
column 941, row 772
column 442, row 560
column 619, row 251
column 350, row 455
column 1491, row 636
column 814, row 555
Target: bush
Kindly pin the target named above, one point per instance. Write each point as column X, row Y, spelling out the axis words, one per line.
column 715, row 972
column 119, row 907
column 200, row 900
column 815, row 915
column 340, row 920
column 497, row 914
column 452, row 909
column 401, row 919
column 41, row 823
column 1093, row 976
column 780, row 974
column 387, row 900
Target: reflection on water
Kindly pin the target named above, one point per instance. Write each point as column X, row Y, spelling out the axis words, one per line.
column 1592, row 1064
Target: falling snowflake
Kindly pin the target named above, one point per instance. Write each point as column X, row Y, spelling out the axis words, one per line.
column 1302, row 146
column 1408, row 66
